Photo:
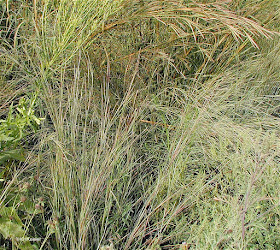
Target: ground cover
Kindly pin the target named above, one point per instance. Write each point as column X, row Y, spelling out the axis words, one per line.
column 139, row 124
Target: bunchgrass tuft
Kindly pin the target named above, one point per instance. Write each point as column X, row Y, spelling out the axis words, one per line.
column 161, row 124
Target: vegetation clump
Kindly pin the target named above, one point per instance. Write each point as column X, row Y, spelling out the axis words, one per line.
column 130, row 124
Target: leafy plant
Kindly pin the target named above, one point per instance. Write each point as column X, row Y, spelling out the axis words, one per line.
column 15, row 127
column 11, row 227
column 19, row 123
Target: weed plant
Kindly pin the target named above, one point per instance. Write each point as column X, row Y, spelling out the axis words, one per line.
column 161, row 126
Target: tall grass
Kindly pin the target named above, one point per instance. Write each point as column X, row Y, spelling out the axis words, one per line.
column 162, row 122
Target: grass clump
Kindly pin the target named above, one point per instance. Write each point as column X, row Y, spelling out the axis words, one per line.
column 161, row 126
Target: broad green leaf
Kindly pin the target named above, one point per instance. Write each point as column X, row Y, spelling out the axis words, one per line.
column 10, row 223
column 11, row 227
column 15, row 154
column 26, row 246
column 29, row 207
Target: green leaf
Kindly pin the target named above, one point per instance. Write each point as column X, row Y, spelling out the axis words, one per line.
column 4, row 137
column 11, row 227
column 15, row 154
column 10, row 223
column 26, row 246
column 29, row 207
column 37, row 120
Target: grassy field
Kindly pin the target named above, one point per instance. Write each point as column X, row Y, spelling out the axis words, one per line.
column 139, row 124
